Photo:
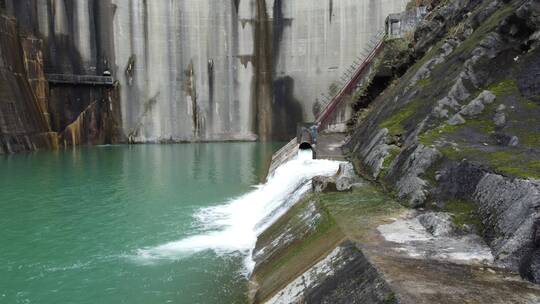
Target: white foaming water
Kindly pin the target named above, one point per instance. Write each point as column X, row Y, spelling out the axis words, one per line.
column 235, row 225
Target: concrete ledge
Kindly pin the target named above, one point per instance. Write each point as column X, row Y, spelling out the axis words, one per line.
column 80, row 79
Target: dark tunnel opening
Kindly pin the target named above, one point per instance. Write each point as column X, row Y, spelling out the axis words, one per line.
column 305, row 146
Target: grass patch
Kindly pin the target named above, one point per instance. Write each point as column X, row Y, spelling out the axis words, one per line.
column 457, row 153
column 464, row 214
column 390, row 299
column 504, row 88
column 392, row 154
column 396, row 45
column 487, row 26
column 429, row 137
column 529, row 105
column 423, row 82
column 431, row 173
column 530, row 138
column 482, row 124
column 395, row 123
column 513, row 163
column 508, row 161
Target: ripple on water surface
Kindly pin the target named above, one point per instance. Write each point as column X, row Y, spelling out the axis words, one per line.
column 73, row 221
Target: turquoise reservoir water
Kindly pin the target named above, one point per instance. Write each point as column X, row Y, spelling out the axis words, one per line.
column 75, row 226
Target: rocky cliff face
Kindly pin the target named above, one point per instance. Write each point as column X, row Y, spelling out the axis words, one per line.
column 455, row 140
column 459, row 131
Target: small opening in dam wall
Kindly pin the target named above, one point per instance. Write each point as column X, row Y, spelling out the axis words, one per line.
column 305, row 146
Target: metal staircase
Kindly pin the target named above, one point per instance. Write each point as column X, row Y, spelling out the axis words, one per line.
column 351, row 78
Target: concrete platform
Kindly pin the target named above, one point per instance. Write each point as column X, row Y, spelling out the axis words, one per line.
column 329, row 146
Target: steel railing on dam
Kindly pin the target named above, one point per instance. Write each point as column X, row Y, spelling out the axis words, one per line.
column 71, row 79
column 351, row 78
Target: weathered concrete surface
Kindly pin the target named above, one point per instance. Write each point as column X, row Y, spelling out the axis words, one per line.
column 418, row 237
column 424, row 268
column 286, row 153
column 240, row 64
column 23, row 127
column 204, row 70
column 399, row 25
column 329, row 146
column 359, row 281
column 77, row 35
column 85, row 115
column 292, row 244
column 70, row 37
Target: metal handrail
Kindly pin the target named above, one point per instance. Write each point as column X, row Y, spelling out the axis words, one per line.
column 353, row 80
column 79, row 79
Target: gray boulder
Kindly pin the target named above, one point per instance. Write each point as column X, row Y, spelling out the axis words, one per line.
column 477, row 105
column 514, row 141
column 437, row 223
column 323, row 184
column 508, row 209
column 499, row 119
column 503, row 139
column 344, row 180
column 409, row 169
column 456, row 120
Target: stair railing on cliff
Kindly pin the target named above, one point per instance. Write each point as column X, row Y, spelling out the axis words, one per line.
column 349, row 82
column 351, row 78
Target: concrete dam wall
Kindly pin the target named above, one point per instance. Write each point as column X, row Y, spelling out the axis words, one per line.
column 195, row 70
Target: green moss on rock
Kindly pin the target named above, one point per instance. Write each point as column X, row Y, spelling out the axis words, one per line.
column 486, row 27
column 392, row 154
column 431, row 136
column 395, row 123
column 504, row 87
column 464, row 213
column 423, row 82
column 508, row 161
column 390, row 299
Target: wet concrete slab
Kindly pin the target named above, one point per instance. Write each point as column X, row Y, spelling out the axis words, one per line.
column 422, row 268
